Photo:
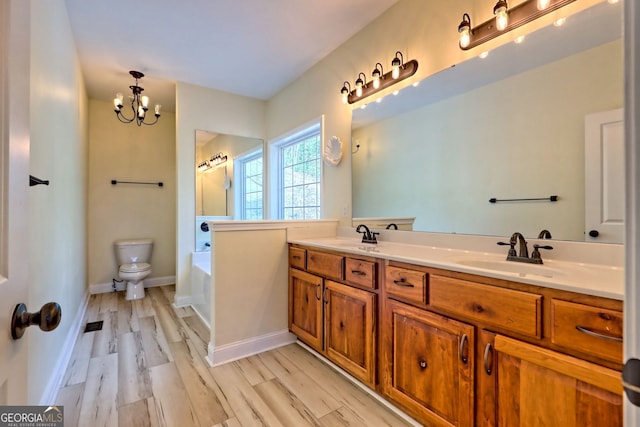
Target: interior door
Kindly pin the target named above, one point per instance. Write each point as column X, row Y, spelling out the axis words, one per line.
column 604, row 177
column 14, row 160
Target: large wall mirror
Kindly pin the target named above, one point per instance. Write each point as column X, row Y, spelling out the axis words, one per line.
column 508, row 126
column 219, row 160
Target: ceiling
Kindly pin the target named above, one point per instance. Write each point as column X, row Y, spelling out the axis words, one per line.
column 246, row 47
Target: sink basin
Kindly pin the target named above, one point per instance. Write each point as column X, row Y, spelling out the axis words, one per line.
column 512, row 267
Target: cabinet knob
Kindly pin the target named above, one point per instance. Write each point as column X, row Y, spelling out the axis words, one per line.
column 594, row 233
column 423, row 364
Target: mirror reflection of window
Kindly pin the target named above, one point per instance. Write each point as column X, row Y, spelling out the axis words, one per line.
column 249, row 186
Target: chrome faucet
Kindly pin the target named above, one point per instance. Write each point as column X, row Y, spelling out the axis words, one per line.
column 367, row 235
column 522, row 255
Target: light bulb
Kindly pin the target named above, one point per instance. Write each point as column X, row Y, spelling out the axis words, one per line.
column 542, row 4
column 502, row 17
column 145, row 101
column 376, row 82
column 359, row 85
column 465, row 38
column 140, row 112
column 118, row 101
column 345, row 97
column 157, row 109
column 395, row 66
column 502, row 20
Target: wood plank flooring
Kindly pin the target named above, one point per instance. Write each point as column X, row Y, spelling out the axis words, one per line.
column 146, row 367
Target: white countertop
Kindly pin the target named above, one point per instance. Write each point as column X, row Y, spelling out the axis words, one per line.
column 592, row 279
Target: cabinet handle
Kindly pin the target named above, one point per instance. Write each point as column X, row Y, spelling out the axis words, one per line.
column 593, row 333
column 422, row 363
column 324, row 296
column 296, row 257
column 403, row 283
column 318, row 292
column 463, row 348
column 358, row 272
column 487, row 364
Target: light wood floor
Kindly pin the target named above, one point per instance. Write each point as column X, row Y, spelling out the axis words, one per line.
column 146, row 367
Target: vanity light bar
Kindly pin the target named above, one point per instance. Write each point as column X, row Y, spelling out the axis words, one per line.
column 399, row 71
column 519, row 15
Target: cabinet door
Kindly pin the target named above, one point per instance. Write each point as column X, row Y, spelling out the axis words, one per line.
column 350, row 330
column 305, row 307
column 534, row 386
column 431, row 365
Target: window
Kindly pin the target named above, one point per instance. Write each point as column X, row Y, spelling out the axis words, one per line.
column 297, row 158
column 249, row 186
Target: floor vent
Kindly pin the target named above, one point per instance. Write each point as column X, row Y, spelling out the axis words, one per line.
column 93, row 326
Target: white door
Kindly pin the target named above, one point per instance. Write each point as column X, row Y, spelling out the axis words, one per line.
column 14, row 178
column 604, row 177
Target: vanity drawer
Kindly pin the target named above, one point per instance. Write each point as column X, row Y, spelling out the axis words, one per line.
column 517, row 311
column 404, row 283
column 327, row 265
column 588, row 329
column 359, row 272
column 298, row 258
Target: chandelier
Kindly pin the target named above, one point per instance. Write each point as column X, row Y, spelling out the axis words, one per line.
column 139, row 104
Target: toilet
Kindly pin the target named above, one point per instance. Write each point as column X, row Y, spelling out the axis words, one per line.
column 133, row 258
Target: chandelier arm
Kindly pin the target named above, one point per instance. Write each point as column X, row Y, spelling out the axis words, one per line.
column 151, row 123
column 123, row 118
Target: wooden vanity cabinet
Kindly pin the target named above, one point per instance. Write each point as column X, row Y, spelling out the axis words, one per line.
column 305, row 307
column 428, row 364
column 336, row 319
column 520, row 384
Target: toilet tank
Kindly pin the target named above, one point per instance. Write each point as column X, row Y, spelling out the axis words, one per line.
column 133, row 250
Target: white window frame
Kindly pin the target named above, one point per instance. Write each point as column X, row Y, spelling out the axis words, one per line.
column 276, row 196
column 239, row 178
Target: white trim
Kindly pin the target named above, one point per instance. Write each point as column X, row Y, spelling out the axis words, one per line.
column 362, row 386
column 631, row 27
column 182, row 300
column 50, row 394
column 103, row 288
column 276, row 224
column 240, row 349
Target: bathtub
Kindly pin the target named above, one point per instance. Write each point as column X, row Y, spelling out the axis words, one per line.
column 201, row 285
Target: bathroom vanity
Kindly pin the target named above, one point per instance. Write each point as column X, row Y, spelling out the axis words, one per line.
column 464, row 338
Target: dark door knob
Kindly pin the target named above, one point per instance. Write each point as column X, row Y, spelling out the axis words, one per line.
column 594, row 233
column 48, row 318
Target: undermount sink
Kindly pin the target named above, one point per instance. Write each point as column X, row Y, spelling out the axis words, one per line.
column 512, row 267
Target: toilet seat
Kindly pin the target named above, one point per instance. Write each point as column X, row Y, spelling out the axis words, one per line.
column 136, row 267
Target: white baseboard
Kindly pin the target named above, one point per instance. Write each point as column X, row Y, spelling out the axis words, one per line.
column 245, row 348
column 50, row 393
column 182, row 300
column 103, row 288
column 360, row 385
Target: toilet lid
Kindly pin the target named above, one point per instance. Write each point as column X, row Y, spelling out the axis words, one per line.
column 135, row 267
